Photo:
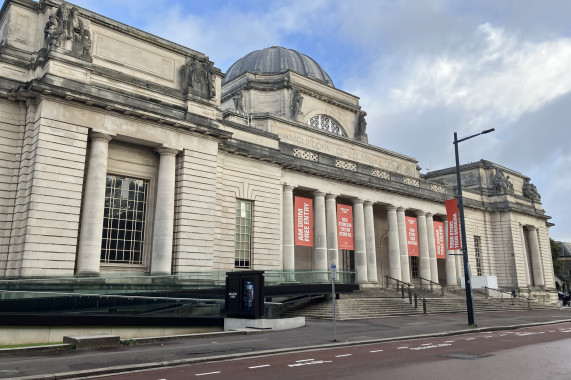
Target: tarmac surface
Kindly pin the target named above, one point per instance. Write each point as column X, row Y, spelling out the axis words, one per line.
column 200, row 348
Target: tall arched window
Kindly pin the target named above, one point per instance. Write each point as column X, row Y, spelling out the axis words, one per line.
column 325, row 123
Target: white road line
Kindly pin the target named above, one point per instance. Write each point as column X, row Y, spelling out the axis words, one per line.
column 426, row 344
column 259, row 366
column 341, row 356
column 489, row 336
column 402, row 348
column 449, row 341
column 376, row 351
column 206, row 373
column 304, row 360
column 469, row 338
column 551, row 330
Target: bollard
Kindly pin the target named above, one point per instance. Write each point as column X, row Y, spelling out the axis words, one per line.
column 424, row 305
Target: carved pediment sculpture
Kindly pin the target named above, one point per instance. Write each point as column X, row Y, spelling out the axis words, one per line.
column 530, row 191
column 239, row 101
column 198, row 78
column 67, row 25
column 361, row 130
column 503, row 183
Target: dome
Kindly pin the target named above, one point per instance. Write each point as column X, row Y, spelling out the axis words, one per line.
column 277, row 59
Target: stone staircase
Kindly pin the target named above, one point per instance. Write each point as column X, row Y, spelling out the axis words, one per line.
column 382, row 302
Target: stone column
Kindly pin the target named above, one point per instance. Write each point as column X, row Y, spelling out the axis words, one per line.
column 289, row 234
column 89, row 251
column 424, row 256
column 370, row 243
column 403, row 247
column 451, row 278
column 319, row 237
column 394, row 249
column 523, row 231
column 535, row 257
column 359, row 242
column 431, row 247
column 332, row 242
column 161, row 255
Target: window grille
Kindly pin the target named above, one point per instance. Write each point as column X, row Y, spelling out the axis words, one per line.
column 479, row 259
column 325, row 123
column 243, row 240
column 124, row 220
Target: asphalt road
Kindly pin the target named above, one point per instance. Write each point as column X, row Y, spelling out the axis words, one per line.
column 540, row 352
column 317, row 334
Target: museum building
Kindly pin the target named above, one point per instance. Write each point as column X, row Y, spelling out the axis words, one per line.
column 126, row 153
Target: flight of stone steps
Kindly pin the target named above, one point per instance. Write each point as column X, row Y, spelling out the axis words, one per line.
column 381, row 302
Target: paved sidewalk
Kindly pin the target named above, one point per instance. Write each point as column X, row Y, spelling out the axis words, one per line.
column 212, row 347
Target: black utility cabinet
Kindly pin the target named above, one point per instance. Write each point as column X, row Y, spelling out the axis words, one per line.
column 245, row 294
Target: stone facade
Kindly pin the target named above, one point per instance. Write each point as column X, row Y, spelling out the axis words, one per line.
column 125, row 153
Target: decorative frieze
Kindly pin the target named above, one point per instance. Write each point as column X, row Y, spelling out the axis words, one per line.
column 411, row 182
column 438, row 189
column 305, row 154
column 346, row 165
column 381, row 174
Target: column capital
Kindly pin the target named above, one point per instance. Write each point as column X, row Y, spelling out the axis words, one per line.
column 420, row 213
column 100, row 136
column 369, row 203
column 318, row 193
column 164, row 151
column 288, row 187
column 358, row 201
column 401, row 209
column 429, row 215
column 391, row 208
column 330, row 196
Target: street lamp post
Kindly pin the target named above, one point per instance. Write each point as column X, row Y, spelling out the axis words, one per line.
column 467, row 275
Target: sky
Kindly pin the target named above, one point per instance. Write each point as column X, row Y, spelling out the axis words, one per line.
column 423, row 69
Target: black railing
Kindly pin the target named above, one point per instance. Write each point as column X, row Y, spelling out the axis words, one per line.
column 411, row 294
column 512, row 295
column 430, row 285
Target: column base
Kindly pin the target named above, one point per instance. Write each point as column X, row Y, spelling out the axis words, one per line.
column 87, row 274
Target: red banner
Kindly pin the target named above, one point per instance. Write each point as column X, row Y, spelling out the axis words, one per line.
column 439, row 240
column 411, row 236
column 453, row 224
column 304, row 221
column 345, row 227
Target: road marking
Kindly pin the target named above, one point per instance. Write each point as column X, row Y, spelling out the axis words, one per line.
column 402, row 348
column 309, row 363
column 341, row 356
column 206, row 373
column 426, row 344
column 551, row 330
column 489, row 336
column 376, row 351
column 424, row 347
column 259, row 366
column 503, row 334
column 449, row 341
column 469, row 338
column 304, row 360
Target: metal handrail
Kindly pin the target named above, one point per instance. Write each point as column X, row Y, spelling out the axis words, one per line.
column 513, row 295
column 431, row 283
column 410, row 292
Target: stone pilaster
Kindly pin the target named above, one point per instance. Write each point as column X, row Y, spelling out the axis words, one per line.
column 424, row 255
column 332, row 242
column 431, row 247
column 535, row 257
column 161, row 255
column 89, row 251
column 370, row 242
column 288, row 231
column 319, row 237
column 451, row 277
column 360, row 242
column 394, row 249
column 403, row 247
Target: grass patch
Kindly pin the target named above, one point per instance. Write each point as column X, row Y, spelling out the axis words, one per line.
column 28, row 345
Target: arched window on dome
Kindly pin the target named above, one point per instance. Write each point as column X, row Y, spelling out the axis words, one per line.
column 325, row 123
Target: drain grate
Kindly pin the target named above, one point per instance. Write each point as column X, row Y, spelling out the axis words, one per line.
column 466, row 356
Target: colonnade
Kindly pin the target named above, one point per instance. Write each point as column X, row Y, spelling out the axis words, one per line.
column 91, row 234
column 325, row 240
